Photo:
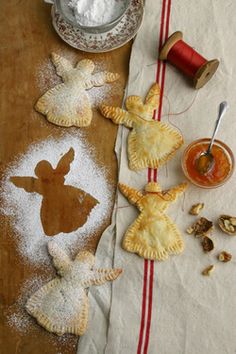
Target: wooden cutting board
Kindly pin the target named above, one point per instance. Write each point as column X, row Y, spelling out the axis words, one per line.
column 27, row 39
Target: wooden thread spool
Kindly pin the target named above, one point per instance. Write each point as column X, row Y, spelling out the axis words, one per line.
column 187, row 60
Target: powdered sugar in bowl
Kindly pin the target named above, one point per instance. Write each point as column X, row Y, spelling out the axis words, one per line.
column 94, row 16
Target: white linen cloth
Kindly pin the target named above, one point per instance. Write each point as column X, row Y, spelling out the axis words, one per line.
column 183, row 312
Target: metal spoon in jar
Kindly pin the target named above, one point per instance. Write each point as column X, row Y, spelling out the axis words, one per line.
column 206, row 160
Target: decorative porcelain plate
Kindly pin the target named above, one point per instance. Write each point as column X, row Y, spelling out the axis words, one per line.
column 123, row 32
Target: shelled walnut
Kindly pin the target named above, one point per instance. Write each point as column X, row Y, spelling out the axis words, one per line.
column 208, row 270
column 227, row 224
column 196, row 208
column 201, row 227
column 207, row 244
column 224, row 257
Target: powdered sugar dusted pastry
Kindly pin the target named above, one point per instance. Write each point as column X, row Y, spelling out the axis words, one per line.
column 150, row 143
column 153, row 235
column 61, row 306
column 68, row 104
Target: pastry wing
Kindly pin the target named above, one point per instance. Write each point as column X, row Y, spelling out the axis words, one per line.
column 62, row 65
column 100, row 79
column 153, row 96
column 60, row 308
column 61, row 260
column 100, row 276
column 118, row 115
column 172, row 193
column 133, row 195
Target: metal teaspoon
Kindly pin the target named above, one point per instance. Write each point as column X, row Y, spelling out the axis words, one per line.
column 206, row 160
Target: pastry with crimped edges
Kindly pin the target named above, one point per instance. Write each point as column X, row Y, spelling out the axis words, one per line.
column 150, row 143
column 153, row 235
column 61, row 306
column 68, row 104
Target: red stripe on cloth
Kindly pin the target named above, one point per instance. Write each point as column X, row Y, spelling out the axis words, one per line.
column 161, row 38
column 155, row 175
column 164, row 64
column 149, row 316
column 143, row 307
column 149, row 174
column 162, row 91
column 168, row 20
column 151, row 276
column 159, row 63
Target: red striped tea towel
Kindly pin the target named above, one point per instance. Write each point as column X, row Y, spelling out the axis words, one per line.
column 169, row 307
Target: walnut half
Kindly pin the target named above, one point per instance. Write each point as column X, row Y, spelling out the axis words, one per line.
column 227, row 224
column 224, row 257
column 207, row 244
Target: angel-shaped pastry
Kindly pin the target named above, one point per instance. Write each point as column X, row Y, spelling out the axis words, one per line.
column 68, row 103
column 61, row 306
column 64, row 208
column 153, row 235
column 150, row 143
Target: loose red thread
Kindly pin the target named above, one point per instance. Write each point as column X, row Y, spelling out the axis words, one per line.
column 181, row 112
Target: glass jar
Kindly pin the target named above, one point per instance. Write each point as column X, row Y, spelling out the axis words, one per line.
column 63, row 8
column 221, row 170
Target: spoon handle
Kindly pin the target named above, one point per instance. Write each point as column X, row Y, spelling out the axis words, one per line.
column 222, row 109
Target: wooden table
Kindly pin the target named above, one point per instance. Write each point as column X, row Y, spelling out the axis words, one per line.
column 27, row 39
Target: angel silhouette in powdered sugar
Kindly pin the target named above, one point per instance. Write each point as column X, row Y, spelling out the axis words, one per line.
column 68, row 104
column 64, row 208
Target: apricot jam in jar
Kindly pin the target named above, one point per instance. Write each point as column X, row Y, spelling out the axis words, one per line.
column 221, row 170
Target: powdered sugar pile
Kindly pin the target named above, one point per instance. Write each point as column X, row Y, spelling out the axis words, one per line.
column 24, row 208
column 96, row 12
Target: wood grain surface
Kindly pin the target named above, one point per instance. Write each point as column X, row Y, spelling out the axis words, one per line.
column 27, row 39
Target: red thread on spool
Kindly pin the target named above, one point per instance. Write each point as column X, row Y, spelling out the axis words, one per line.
column 187, row 60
